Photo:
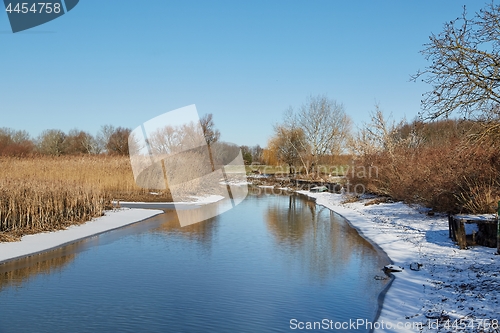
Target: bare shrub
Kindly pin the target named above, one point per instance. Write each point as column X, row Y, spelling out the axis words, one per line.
column 445, row 171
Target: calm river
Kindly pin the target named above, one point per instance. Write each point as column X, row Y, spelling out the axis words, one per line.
column 272, row 259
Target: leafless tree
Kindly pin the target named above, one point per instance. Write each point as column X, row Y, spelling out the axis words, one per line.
column 465, row 67
column 79, row 142
column 52, row 142
column 326, row 126
column 118, row 141
column 102, row 137
column 212, row 135
column 289, row 144
column 256, row 152
column 15, row 143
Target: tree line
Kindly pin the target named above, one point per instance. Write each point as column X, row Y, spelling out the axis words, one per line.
column 109, row 140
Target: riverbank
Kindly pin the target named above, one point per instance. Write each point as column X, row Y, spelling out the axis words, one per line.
column 38, row 243
column 128, row 213
column 452, row 290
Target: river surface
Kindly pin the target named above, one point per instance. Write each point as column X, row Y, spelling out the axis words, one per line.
column 266, row 265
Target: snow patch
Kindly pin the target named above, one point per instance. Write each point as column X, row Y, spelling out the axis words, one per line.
column 38, row 243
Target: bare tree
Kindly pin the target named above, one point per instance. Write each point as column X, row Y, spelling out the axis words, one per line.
column 79, row 142
column 52, row 142
column 384, row 134
column 289, row 144
column 212, row 134
column 256, row 152
column 118, row 141
column 246, row 154
column 15, row 143
column 326, row 126
column 465, row 67
column 102, row 137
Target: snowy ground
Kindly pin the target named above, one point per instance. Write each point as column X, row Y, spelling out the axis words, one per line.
column 34, row 244
column 454, row 290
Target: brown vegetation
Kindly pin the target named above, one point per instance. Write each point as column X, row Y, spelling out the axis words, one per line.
column 435, row 164
column 41, row 193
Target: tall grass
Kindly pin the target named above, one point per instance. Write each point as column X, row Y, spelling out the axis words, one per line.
column 49, row 193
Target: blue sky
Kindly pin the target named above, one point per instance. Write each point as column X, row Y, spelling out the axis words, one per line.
column 123, row 62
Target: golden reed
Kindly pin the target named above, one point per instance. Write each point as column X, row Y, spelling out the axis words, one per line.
column 48, row 193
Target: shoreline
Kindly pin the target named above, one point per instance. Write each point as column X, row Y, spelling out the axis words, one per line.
column 443, row 292
column 31, row 245
column 128, row 213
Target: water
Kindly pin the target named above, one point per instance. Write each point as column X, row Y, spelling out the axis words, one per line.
column 272, row 259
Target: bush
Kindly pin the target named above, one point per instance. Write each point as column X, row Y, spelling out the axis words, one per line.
column 444, row 171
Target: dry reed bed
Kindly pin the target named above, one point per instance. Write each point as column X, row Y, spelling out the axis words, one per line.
column 49, row 193
column 27, row 206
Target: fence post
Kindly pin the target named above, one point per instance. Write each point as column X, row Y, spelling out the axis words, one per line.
column 498, row 228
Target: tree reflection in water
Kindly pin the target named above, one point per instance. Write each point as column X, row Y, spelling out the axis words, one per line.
column 15, row 273
column 202, row 232
column 323, row 241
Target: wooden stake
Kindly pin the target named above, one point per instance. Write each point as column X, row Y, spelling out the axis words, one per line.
column 498, row 228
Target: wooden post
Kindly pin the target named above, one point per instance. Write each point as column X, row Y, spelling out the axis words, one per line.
column 450, row 227
column 460, row 234
column 498, row 228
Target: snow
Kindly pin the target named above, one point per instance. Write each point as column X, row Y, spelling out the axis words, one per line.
column 198, row 201
column 451, row 284
column 34, row 244
column 202, row 200
column 117, row 218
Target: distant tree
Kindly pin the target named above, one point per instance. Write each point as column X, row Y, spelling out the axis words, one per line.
column 102, row 137
column 256, row 152
column 319, row 128
column 464, row 68
column 118, row 141
column 326, row 126
column 212, row 134
column 80, row 142
column 269, row 156
column 289, row 145
column 15, row 143
column 247, row 154
column 52, row 142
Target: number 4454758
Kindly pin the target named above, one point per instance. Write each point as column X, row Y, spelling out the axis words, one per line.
column 35, row 8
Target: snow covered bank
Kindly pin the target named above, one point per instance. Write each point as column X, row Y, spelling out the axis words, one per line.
column 197, row 201
column 454, row 290
column 33, row 244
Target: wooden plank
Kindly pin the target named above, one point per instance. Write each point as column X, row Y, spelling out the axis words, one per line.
column 450, row 228
column 498, row 229
column 460, row 234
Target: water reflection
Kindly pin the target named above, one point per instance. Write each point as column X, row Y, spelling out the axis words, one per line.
column 290, row 224
column 250, row 269
column 202, row 232
column 16, row 273
column 323, row 241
